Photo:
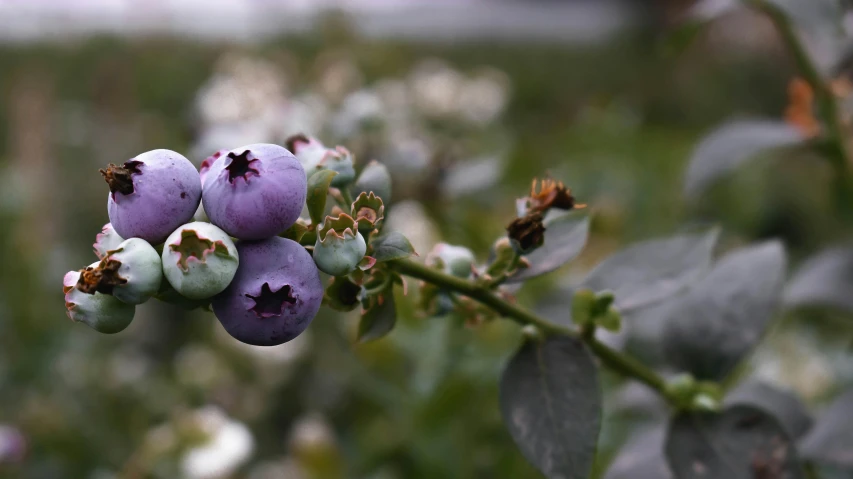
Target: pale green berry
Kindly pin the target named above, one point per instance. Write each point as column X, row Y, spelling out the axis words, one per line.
column 101, row 312
column 199, row 260
column 106, row 240
column 339, row 247
column 138, row 269
column 455, row 260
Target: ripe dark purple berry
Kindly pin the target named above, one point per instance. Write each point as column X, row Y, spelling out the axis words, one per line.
column 152, row 194
column 255, row 191
column 274, row 296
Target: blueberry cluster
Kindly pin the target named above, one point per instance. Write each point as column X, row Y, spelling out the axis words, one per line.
column 211, row 237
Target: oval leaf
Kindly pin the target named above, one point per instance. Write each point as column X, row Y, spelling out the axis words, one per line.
column 565, row 237
column 741, row 443
column 830, row 441
column 551, row 404
column 378, row 320
column 785, row 406
column 318, row 192
column 642, row 457
column 651, row 271
column 824, row 280
column 731, row 145
column 713, row 325
column 394, row 245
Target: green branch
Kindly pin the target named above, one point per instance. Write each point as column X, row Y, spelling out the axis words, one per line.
column 617, row 361
column 827, row 104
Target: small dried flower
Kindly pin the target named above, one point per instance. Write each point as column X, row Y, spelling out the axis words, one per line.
column 368, row 211
column 527, row 232
column 551, row 194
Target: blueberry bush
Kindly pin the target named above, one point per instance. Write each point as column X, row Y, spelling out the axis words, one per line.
column 663, row 334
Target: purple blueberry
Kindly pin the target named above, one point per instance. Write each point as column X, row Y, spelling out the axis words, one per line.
column 255, row 192
column 152, row 194
column 274, row 296
column 208, row 162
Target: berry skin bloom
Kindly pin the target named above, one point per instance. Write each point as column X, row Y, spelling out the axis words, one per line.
column 101, row 312
column 254, row 192
column 152, row 194
column 199, row 260
column 275, row 294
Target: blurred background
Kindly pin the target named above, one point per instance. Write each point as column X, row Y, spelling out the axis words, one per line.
column 465, row 101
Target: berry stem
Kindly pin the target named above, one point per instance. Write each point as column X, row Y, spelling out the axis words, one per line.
column 347, row 197
column 837, row 150
column 615, row 360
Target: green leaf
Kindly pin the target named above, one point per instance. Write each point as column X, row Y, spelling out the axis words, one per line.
column 641, row 457
column 393, row 245
column 785, row 406
column 342, row 294
column 565, row 237
column 712, row 326
column 830, row 441
column 651, row 271
column 318, row 192
column 551, row 404
column 378, row 320
column 295, row 232
column 743, row 442
column 824, row 280
column 731, row 145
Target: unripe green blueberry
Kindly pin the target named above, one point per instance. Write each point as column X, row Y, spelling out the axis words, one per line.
column 455, row 260
column 308, row 150
column 339, row 247
column 138, row 270
column 368, row 211
column 106, row 240
column 313, row 156
column 376, row 178
column 101, row 312
column 199, row 260
column 340, row 160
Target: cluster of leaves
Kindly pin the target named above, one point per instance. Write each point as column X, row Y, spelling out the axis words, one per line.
column 697, row 318
column 370, row 286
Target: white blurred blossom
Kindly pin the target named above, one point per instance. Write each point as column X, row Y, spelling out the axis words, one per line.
column 795, row 363
column 312, row 431
column 243, row 88
column 228, row 445
column 339, row 76
column 435, row 87
column 483, row 98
